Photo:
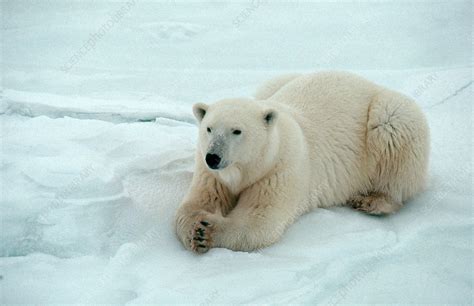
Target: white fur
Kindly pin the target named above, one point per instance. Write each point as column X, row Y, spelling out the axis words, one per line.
column 336, row 139
column 231, row 177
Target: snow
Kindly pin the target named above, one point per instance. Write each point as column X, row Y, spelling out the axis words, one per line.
column 96, row 158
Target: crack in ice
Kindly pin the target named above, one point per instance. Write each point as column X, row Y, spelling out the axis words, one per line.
column 458, row 91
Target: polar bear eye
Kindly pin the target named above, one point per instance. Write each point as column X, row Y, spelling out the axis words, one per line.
column 237, row 132
column 208, row 129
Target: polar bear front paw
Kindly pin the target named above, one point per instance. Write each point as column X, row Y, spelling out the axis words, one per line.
column 201, row 236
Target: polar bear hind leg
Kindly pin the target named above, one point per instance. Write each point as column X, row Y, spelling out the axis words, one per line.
column 397, row 148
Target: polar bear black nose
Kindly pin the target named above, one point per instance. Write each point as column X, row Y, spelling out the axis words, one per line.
column 213, row 160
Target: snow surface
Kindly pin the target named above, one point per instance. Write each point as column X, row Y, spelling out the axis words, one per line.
column 90, row 181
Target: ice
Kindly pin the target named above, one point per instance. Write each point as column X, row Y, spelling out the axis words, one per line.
column 95, row 159
column 54, row 106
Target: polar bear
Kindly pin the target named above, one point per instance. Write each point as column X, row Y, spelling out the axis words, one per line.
column 305, row 141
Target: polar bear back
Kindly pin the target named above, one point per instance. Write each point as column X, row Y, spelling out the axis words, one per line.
column 332, row 110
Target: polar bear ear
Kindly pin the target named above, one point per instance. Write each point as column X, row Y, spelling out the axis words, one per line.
column 269, row 117
column 199, row 110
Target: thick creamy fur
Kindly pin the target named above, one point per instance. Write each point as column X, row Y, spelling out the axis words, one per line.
column 336, row 139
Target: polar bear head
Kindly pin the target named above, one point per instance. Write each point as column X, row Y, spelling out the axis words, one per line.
column 237, row 134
